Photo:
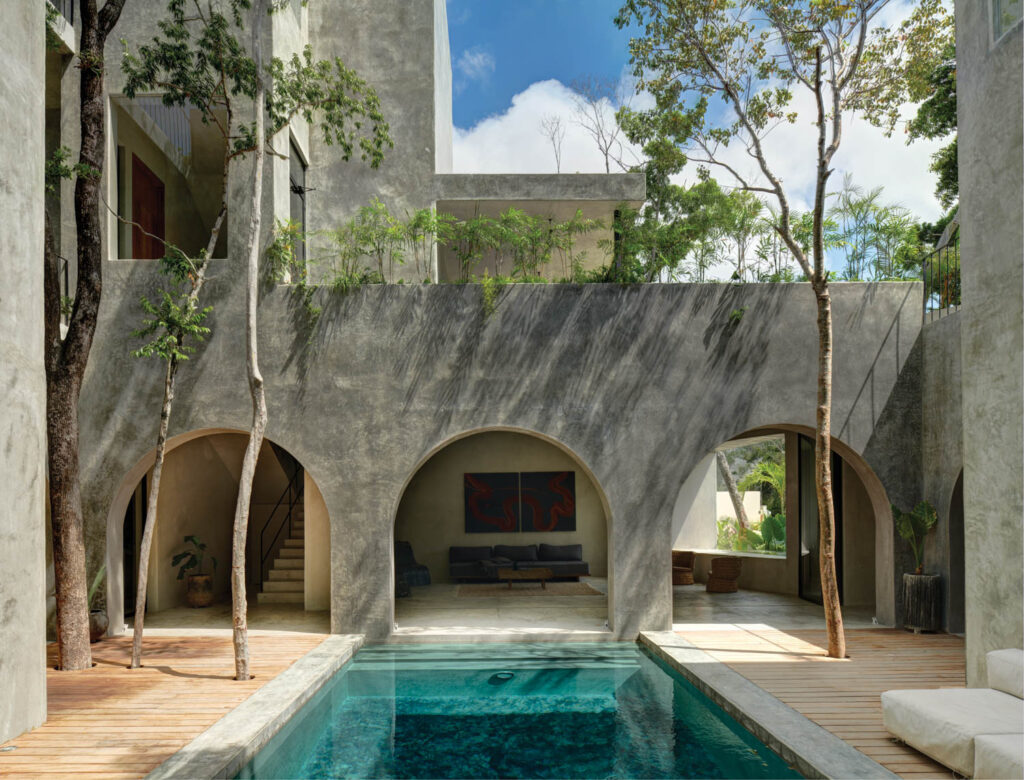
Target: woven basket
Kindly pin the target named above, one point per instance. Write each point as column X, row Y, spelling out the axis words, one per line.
column 682, row 576
column 683, row 559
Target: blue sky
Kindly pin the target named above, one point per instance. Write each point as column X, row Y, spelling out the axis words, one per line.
column 500, row 47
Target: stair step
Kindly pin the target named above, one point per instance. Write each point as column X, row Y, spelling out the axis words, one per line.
column 290, row 552
column 280, row 598
column 284, row 586
column 293, row 542
column 289, row 563
column 286, row 574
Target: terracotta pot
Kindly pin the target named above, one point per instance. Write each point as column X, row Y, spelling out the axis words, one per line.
column 97, row 624
column 199, row 590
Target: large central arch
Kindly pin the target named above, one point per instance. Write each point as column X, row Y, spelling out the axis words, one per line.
column 589, row 486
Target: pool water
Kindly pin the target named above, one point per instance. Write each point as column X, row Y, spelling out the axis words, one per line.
column 512, row 711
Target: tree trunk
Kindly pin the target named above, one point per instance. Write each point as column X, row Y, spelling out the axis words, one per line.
column 66, row 359
column 151, row 502
column 259, row 404
column 734, row 493
column 823, row 483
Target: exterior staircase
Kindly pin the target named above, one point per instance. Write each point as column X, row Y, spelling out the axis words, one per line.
column 285, row 582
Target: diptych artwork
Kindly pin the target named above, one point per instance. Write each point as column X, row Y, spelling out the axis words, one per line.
column 520, row 501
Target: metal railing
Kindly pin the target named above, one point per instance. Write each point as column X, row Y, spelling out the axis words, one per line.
column 940, row 271
column 290, row 498
column 66, row 8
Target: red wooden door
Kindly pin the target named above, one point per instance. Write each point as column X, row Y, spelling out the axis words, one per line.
column 147, row 212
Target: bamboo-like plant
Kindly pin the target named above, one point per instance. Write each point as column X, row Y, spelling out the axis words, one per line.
column 914, row 526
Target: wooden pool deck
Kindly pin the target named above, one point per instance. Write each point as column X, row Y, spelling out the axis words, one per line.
column 842, row 696
column 112, row 722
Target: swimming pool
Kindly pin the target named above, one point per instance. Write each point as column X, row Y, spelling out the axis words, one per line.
column 512, row 710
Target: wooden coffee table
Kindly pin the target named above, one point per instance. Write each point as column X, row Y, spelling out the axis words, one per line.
column 511, row 575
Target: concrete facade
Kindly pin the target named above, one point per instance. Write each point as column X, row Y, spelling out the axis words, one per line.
column 990, row 104
column 616, row 377
column 23, row 412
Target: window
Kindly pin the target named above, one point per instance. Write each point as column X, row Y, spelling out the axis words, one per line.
column 1006, row 14
column 297, row 180
column 755, row 471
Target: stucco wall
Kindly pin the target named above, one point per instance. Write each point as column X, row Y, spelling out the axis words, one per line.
column 858, row 543
column 317, row 549
column 990, row 94
column 23, row 412
column 637, row 382
column 431, row 515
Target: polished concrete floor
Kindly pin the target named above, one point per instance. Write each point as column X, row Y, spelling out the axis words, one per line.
column 436, row 613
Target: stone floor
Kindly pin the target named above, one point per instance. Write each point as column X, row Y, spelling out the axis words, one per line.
column 436, row 613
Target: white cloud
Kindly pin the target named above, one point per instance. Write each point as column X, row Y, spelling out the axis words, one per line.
column 475, row 64
column 512, row 142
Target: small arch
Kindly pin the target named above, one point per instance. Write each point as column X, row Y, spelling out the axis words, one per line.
column 286, row 502
column 588, row 489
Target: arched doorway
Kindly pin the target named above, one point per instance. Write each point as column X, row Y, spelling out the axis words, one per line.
column 773, row 469
column 288, row 549
column 498, row 499
column 955, row 598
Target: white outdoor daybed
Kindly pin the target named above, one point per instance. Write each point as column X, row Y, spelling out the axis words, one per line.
column 977, row 732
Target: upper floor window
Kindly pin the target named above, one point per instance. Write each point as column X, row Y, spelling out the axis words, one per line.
column 297, row 181
column 1006, row 14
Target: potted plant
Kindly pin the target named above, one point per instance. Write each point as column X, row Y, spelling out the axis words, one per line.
column 922, row 593
column 198, row 586
column 97, row 612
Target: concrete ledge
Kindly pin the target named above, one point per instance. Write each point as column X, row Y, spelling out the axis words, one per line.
column 613, row 188
column 230, row 743
column 418, row 635
column 801, row 742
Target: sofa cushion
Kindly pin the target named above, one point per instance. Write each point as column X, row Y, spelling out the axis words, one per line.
column 1006, row 671
column 525, row 552
column 999, row 756
column 468, row 554
column 560, row 552
column 942, row 723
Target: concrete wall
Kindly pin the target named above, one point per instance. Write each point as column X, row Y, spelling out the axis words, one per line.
column 989, row 111
column 431, row 515
column 23, row 412
column 943, row 461
column 694, row 513
column 638, row 383
column 317, row 549
column 858, row 542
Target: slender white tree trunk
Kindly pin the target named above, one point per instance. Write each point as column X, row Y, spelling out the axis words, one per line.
column 734, row 493
column 146, row 546
column 259, row 403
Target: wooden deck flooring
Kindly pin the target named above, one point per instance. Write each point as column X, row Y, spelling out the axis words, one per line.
column 842, row 696
column 113, row 722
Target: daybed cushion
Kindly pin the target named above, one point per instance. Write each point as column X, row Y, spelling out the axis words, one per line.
column 1006, row 671
column 999, row 757
column 560, row 552
column 525, row 552
column 468, row 554
column 943, row 722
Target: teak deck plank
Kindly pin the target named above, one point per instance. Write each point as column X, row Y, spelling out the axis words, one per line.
column 113, row 722
column 842, row 695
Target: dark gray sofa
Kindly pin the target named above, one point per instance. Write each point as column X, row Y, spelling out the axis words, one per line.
column 482, row 563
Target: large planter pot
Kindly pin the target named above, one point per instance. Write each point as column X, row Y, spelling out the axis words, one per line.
column 922, row 602
column 199, row 590
column 97, row 624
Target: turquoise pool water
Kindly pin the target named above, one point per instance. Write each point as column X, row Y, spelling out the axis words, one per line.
column 512, row 711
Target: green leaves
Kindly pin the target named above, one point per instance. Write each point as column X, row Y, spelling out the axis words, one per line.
column 192, row 558
column 171, row 321
column 913, row 526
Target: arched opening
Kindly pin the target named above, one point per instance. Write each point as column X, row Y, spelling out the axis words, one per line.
column 511, row 531
column 288, row 545
column 955, row 600
column 772, row 474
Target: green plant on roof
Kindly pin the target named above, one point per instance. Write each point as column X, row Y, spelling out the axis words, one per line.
column 913, row 526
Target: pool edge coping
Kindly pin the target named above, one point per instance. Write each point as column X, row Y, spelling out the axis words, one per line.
column 813, row 750
column 230, row 743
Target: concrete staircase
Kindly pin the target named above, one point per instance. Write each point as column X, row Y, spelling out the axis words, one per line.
column 285, row 583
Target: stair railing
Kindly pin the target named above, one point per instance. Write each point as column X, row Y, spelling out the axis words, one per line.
column 290, row 497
